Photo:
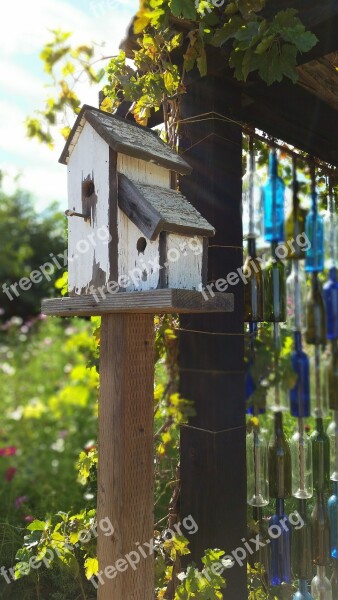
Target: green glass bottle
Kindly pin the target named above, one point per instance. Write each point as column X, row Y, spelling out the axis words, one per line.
column 302, row 546
column 332, row 373
column 254, row 288
column 315, row 314
column 280, row 474
column 320, row 457
column 295, row 226
column 320, row 532
column 275, row 289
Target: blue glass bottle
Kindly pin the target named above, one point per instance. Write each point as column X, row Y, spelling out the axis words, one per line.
column 330, row 292
column 333, row 516
column 302, row 593
column 273, row 202
column 280, row 564
column 314, row 229
column 300, row 393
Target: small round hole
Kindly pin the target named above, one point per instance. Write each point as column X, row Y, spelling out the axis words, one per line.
column 141, row 245
column 88, row 188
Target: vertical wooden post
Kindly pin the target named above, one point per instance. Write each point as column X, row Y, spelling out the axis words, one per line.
column 125, row 474
column 213, row 469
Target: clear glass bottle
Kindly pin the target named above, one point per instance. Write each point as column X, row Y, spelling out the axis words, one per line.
column 280, row 484
column 315, row 314
column 314, row 229
column 333, row 516
column 320, row 586
column 254, row 288
column 273, row 202
column 274, row 289
column 257, row 469
column 332, row 432
column 252, row 217
column 330, row 293
column 300, row 393
column 301, row 462
column 280, row 558
column 319, row 387
column 296, row 292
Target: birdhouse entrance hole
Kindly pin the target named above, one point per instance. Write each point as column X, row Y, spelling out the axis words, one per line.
column 141, row 245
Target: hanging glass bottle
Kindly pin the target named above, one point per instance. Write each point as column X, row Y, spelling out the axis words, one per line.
column 321, row 587
column 320, row 457
column 319, row 383
column 315, row 314
column 331, row 229
column 257, row 469
column 279, row 461
column 273, row 202
column 301, row 462
column 274, row 289
column 332, row 432
column 296, row 292
column 330, row 292
column 301, row 546
column 295, row 222
column 314, row 229
column 254, row 288
column 252, row 217
column 334, row 579
column 280, row 562
column 332, row 375
column 320, row 532
column 333, row 516
column 300, row 393
column 302, row 593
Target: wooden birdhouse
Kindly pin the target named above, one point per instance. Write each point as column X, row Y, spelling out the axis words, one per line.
column 129, row 228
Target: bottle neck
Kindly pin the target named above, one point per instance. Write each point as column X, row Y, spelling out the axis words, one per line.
column 314, row 206
column 319, row 424
column 295, row 199
column 335, row 488
column 333, row 274
column 302, row 586
column 273, row 164
column 279, row 424
column 252, row 247
column 298, row 341
column 280, row 507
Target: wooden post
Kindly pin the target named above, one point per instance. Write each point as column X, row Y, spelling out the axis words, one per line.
column 213, row 465
column 125, row 475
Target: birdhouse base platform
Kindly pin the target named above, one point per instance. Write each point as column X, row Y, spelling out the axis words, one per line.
column 149, row 302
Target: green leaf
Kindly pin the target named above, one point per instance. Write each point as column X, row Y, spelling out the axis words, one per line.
column 183, row 8
column 202, row 63
column 37, row 525
column 228, row 31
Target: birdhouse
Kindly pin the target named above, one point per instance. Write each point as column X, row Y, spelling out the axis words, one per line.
column 129, row 227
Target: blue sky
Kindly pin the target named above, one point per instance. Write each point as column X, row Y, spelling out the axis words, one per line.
column 24, row 31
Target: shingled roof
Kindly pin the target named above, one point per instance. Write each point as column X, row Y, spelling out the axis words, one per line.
column 125, row 137
column 154, row 209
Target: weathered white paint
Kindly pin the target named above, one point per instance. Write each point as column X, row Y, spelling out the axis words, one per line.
column 142, row 171
column 184, row 258
column 137, row 271
column 90, row 156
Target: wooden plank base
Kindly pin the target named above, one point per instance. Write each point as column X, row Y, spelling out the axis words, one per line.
column 125, row 473
column 152, row 302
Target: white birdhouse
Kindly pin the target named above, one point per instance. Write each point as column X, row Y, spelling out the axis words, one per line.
column 129, row 230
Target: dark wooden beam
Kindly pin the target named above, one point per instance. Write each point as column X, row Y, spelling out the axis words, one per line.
column 211, row 347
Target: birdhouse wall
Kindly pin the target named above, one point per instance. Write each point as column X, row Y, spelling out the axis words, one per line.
column 88, row 190
column 137, row 257
column 142, row 171
column 185, row 257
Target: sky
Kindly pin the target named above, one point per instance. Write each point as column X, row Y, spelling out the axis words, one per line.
column 23, row 83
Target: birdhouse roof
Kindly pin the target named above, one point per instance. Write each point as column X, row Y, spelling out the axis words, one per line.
column 126, row 137
column 154, row 209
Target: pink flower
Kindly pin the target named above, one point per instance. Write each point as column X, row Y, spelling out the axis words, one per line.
column 8, row 451
column 29, row 519
column 20, row 500
column 10, row 473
